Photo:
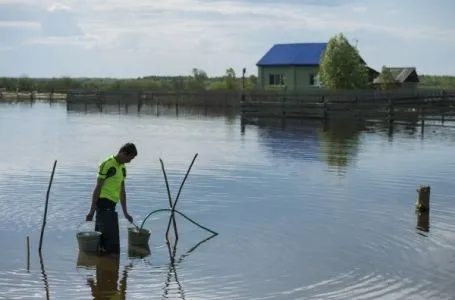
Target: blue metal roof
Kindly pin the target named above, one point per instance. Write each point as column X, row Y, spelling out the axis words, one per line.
column 293, row 54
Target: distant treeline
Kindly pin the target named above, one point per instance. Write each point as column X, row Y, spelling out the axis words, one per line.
column 198, row 81
column 437, row 81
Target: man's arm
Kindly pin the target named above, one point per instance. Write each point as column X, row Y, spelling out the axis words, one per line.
column 123, row 198
column 100, row 177
column 95, row 196
column 123, row 202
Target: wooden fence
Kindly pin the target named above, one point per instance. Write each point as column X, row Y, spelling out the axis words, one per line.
column 202, row 98
column 315, row 103
column 323, row 104
column 20, row 96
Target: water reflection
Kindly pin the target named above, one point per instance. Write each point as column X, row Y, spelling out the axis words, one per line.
column 259, row 191
column 230, row 113
column 339, row 143
column 411, row 128
column 87, row 260
column 294, row 140
column 105, row 284
column 336, row 143
column 173, row 263
column 138, row 252
column 172, row 271
column 44, row 276
column 423, row 222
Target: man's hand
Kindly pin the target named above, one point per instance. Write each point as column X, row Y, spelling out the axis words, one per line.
column 129, row 218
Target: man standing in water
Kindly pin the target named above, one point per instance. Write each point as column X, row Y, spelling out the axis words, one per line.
column 109, row 190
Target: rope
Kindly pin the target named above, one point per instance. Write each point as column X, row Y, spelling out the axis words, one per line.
column 182, row 214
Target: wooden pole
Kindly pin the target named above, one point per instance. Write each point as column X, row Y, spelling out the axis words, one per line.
column 45, row 207
column 139, row 97
column 170, row 205
column 423, row 200
column 423, row 221
column 177, row 199
column 391, row 110
column 28, row 253
column 177, row 98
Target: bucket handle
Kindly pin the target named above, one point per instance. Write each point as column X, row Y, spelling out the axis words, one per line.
column 78, row 226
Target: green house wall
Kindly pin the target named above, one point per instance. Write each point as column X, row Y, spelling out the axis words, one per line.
column 297, row 77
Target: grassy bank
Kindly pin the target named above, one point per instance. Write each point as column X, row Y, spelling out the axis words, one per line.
column 196, row 82
column 441, row 82
column 18, row 89
column 199, row 81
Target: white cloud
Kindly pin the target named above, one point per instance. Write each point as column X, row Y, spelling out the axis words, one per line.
column 145, row 36
column 166, row 20
column 15, row 2
column 30, row 3
column 168, row 36
column 58, row 7
column 20, row 24
column 218, row 25
column 360, row 9
column 87, row 41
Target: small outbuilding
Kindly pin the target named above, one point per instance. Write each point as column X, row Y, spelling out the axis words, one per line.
column 405, row 77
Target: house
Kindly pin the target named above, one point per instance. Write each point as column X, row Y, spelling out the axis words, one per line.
column 294, row 66
column 405, row 77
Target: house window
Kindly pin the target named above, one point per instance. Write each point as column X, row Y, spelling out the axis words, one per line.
column 277, row 79
column 312, row 79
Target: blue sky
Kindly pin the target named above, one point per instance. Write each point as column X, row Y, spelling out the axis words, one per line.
column 120, row 38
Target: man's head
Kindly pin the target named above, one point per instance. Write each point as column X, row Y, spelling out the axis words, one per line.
column 127, row 153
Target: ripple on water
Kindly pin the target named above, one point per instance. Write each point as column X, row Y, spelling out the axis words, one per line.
column 14, row 283
column 357, row 286
column 288, row 229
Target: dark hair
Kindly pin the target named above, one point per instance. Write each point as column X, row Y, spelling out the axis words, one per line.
column 129, row 149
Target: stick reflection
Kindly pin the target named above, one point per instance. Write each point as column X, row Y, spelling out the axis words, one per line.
column 106, row 285
column 173, row 263
column 44, row 276
column 423, row 222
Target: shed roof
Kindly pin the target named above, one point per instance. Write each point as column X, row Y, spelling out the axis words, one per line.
column 293, row 54
column 400, row 74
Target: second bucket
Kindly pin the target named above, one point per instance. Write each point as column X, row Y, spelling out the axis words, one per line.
column 138, row 237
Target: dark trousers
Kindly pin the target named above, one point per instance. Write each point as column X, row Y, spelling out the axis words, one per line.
column 106, row 222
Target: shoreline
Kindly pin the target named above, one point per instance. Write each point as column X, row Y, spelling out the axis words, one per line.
column 31, row 96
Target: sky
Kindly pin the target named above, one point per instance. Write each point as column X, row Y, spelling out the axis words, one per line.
column 126, row 38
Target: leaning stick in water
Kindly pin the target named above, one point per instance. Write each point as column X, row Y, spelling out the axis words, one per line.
column 177, row 198
column 174, row 222
column 45, row 207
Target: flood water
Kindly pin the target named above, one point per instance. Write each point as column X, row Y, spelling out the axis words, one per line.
column 303, row 211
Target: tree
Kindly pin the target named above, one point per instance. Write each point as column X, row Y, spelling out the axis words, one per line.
column 24, row 83
column 386, row 79
column 198, row 81
column 341, row 66
column 230, row 79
